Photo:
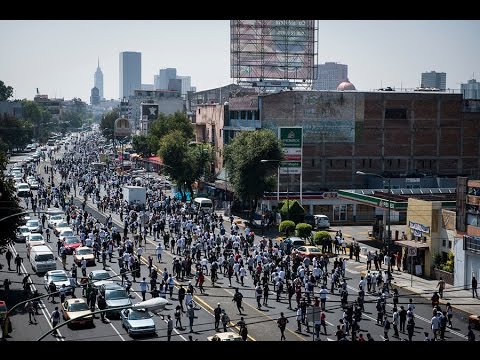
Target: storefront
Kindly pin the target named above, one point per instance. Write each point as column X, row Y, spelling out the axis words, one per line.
column 419, row 251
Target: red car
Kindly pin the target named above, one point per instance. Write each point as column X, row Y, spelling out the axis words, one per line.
column 71, row 243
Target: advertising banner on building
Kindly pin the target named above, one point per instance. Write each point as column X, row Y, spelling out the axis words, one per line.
column 291, row 139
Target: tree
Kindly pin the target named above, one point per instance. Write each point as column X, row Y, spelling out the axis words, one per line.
column 72, row 119
column 322, row 237
column 40, row 118
column 6, row 92
column 108, row 122
column 291, row 209
column 15, row 133
column 303, row 230
column 9, row 205
column 247, row 173
column 141, row 145
column 165, row 124
column 286, row 226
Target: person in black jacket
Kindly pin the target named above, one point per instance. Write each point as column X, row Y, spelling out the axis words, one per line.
column 102, row 305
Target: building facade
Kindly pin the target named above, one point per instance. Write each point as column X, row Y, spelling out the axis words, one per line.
column 94, row 96
column 130, row 73
column 98, row 80
column 434, row 80
column 161, row 80
column 330, row 75
column 471, row 90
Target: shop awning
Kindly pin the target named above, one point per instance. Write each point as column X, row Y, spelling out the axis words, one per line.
column 411, row 243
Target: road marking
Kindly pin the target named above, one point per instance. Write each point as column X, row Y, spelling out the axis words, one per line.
column 43, row 307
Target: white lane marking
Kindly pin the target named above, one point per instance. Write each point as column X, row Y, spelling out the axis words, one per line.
column 43, row 307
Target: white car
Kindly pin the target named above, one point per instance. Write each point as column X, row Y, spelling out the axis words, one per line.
column 34, row 225
column 66, row 232
column 54, row 220
column 60, row 227
column 98, row 278
column 34, row 185
column 137, row 322
column 59, row 278
column 22, row 233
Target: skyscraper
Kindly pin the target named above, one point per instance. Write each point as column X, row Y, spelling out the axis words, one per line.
column 161, row 82
column 330, row 75
column 98, row 80
column 471, row 90
column 130, row 73
column 186, row 84
column 433, row 79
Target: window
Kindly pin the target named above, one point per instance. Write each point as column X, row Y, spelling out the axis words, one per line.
column 450, row 244
column 396, row 114
column 444, row 243
column 313, row 162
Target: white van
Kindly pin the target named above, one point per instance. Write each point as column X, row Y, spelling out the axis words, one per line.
column 204, row 204
column 42, row 259
column 321, row 221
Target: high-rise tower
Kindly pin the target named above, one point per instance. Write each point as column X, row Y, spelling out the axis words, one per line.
column 98, row 80
column 130, row 73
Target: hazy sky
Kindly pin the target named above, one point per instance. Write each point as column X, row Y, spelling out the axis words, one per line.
column 60, row 57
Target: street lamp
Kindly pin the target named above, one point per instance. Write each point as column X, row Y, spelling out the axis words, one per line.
column 387, row 238
column 263, row 161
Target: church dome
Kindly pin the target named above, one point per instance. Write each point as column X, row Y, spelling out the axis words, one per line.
column 345, row 85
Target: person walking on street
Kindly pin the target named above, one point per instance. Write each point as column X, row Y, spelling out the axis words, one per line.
column 449, row 314
column 191, row 316
column 18, row 263
column 178, row 317
column 143, row 288
column 237, row 298
column 102, row 305
column 225, row 320
column 169, row 327
column 55, row 319
column 9, row 256
column 282, row 324
column 31, row 312
column 474, row 287
column 217, row 313
column 441, row 287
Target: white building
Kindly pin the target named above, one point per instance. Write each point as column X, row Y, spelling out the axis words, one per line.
column 186, row 84
column 130, row 73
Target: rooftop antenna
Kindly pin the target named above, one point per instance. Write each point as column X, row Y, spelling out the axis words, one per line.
column 98, row 65
column 38, row 92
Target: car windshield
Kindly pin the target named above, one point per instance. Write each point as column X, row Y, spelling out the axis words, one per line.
column 84, row 252
column 44, row 257
column 62, row 224
column 34, row 237
column 80, row 306
column 24, row 230
column 138, row 315
column 67, row 233
column 56, row 217
column 100, row 275
column 313, row 250
column 32, row 223
column 58, row 277
column 116, row 294
column 72, row 240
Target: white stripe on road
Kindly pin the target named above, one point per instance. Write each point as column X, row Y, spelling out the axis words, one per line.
column 43, row 307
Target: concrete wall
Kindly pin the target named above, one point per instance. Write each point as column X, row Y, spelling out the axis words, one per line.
column 459, row 262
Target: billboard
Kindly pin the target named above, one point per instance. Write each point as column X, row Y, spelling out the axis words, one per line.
column 149, row 112
column 291, row 139
column 272, row 49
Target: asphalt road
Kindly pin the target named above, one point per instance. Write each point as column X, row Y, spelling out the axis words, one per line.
column 261, row 322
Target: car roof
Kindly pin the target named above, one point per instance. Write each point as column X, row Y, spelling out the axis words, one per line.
column 55, row 272
column 99, row 271
column 112, row 287
column 76, row 300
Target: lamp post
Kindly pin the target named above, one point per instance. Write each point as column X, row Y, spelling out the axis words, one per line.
column 387, row 239
column 263, row 161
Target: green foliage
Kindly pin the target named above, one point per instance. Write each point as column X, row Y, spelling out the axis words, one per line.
column 6, row 92
column 303, row 230
column 449, row 264
column 40, row 119
column 286, row 227
column 15, row 133
column 8, row 206
column 246, row 172
column 108, row 122
column 72, row 119
column 165, row 124
column 141, row 146
column 292, row 210
column 321, row 237
column 437, row 260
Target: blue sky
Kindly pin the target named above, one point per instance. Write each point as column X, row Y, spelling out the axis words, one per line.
column 60, row 57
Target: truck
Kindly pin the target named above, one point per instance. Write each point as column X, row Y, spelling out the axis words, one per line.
column 135, row 195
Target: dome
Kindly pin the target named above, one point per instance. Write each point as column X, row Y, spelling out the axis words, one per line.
column 345, row 85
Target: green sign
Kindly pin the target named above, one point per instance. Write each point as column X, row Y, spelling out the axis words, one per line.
column 291, row 137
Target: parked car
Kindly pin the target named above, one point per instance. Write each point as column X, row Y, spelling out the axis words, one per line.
column 71, row 243
column 54, row 220
column 34, row 225
column 137, row 322
column 73, row 309
column 115, row 296
column 99, row 278
column 59, row 278
column 22, row 233
column 83, row 252
column 61, row 226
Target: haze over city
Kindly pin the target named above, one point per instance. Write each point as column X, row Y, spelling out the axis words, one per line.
column 60, row 57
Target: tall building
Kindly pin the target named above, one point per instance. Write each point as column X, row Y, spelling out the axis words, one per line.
column 130, row 73
column 98, row 80
column 471, row 90
column 186, row 84
column 161, row 81
column 435, row 80
column 330, row 75
column 94, row 96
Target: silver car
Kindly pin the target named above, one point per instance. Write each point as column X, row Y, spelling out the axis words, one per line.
column 34, row 225
column 115, row 296
column 137, row 322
